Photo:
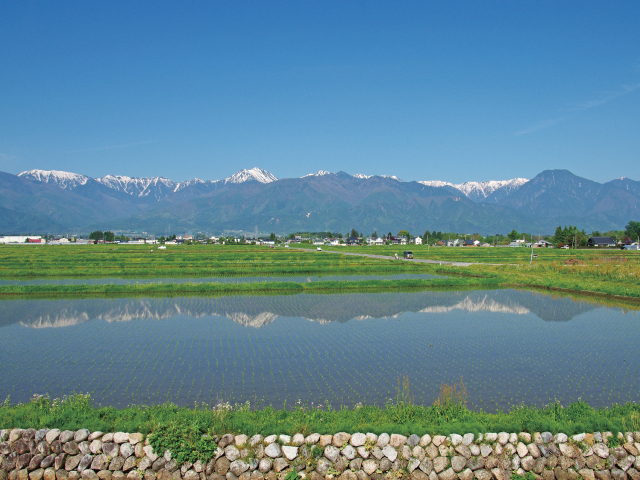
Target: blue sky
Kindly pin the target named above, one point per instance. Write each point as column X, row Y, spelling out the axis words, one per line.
column 454, row 91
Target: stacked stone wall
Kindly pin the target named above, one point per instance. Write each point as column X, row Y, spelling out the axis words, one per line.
column 31, row 454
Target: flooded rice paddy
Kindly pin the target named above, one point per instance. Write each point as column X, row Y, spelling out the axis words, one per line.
column 508, row 346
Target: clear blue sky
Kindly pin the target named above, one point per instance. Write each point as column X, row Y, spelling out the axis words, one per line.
column 453, row 91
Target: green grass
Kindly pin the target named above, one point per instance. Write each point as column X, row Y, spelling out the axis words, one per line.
column 399, row 416
column 99, row 261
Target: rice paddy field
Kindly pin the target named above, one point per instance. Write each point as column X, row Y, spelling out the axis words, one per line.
column 290, row 327
column 508, row 346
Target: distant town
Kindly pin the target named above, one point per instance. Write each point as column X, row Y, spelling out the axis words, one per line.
column 564, row 237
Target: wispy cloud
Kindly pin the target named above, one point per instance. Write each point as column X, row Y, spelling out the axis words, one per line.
column 539, row 126
column 125, row 145
column 624, row 90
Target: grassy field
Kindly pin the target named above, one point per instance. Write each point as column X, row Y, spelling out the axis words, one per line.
column 140, row 261
column 600, row 273
column 449, row 414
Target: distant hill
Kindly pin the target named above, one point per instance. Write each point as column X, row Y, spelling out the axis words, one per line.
column 254, row 199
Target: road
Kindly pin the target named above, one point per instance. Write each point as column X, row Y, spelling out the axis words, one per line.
column 386, row 257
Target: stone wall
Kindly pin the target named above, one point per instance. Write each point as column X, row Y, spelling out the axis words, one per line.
column 74, row 455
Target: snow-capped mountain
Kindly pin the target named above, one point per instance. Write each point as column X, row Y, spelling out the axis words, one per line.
column 140, row 187
column 319, row 173
column 55, row 177
column 483, row 190
column 491, row 191
column 254, row 174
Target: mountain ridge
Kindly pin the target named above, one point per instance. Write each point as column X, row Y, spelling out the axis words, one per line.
column 254, row 200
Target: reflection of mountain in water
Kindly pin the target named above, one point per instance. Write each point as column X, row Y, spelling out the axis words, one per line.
column 257, row 311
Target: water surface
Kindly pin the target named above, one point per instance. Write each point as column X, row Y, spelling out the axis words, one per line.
column 508, row 346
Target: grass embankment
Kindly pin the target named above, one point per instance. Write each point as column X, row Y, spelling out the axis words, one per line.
column 448, row 415
column 146, row 261
column 612, row 274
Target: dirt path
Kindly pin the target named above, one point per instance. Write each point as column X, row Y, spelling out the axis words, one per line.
column 386, row 257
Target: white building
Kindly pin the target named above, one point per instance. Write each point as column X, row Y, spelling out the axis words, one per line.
column 20, row 238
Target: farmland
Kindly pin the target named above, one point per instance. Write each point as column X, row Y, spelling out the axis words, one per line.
column 309, row 338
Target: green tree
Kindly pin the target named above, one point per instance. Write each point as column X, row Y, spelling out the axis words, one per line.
column 405, row 234
column 109, row 236
column 354, row 232
column 513, row 235
column 632, row 230
column 374, row 235
column 272, row 236
column 96, row 235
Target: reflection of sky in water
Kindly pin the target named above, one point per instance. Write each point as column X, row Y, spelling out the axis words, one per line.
column 298, row 279
column 508, row 346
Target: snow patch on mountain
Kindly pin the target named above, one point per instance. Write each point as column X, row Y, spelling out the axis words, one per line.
column 253, row 174
column 140, row 187
column 319, row 173
column 362, row 176
column 484, row 189
column 392, row 177
column 66, row 180
column 436, row 183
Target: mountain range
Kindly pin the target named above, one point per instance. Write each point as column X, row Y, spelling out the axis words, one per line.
column 254, row 200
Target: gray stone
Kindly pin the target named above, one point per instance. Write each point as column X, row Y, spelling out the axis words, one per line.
column 522, row 450
column 539, row 464
column 369, row 466
column 312, row 439
column 238, row 467
column 332, row 453
column 273, row 450
column 81, row 435
column 377, row 452
column 475, row 463
column 84, row 448
column 35, row 461
column 485, row 450
column 100, row 462
column 47, row 461
column 97, row 435
column 116, row 464
column 112, row 450
column 222, row 466
column 431, row 451
column 467, row 439
column 358, row 439
column 85, row 462
column 40, row 434
column 349, row 452
column 340, row 439
column 448, row 474
column 458, row 462
column 280, row 464
column 362, row 452
column 15, row 434
column 561, row 438
column 440, row 463
column 146, row 463
column 455, row 439
column 155, row 466
column 135, row 438
column 527, row 463
column 126, row 450
column 120, row 437
column 625, row 463
column 385, row 465
column 265, row 464
column 148, row 451
column 547, row 437
column 601, row 450
column 464, row 451
column 191, row 475
column 569, row 450
column 323, row 466
column 466, row 474
column 390, row 453
column 232, row 453
column 426, row 465
column 36, row 474
column 290, row 453
column 425, row 440
column 58, row 463
column 617, row 474
column 438, row 440
column 503, row 438
column 397, row 440
column 534, row 451
column 72, row 462
column 383, row 440
column 95, row 447
column 70, row 448
column 482, row 475
column 285, row 439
